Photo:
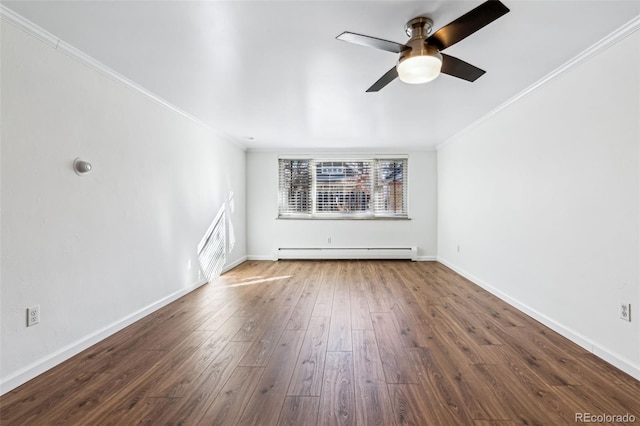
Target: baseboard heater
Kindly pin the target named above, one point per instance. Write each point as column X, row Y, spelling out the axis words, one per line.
column 410, row 253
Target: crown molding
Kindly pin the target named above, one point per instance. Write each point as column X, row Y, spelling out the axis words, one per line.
column 339, row 150
column 28, row 27
column 51, row 40
column 600, row 46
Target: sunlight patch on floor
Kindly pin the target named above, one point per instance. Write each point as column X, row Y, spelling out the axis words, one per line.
column 260, row 281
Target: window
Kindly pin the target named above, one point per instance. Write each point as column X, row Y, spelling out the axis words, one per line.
column 332, row 188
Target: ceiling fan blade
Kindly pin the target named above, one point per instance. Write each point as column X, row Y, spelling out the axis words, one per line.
column 387, row 78
column 459, row 68
column 377, row 43
column 467, row 24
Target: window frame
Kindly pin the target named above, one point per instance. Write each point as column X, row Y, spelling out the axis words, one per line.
column 313, row 214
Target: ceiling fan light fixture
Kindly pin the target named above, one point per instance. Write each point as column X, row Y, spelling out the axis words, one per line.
column 420, row 68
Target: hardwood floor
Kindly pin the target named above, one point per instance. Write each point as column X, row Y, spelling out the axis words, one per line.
column 329, row 343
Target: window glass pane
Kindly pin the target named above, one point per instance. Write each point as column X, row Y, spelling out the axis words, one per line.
column 391, row 187
column 295, row 185
column 343, row 187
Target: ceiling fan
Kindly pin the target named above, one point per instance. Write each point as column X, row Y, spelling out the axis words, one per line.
column 421, row 59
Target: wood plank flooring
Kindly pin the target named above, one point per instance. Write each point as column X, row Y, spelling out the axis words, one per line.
column 329, row 343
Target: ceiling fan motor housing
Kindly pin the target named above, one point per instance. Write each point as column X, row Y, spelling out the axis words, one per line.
column 419, row 48
column 419, row 29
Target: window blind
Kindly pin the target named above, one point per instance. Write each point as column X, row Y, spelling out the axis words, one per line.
column 391, row 187
column 295, row 187
column 343, row 187
column 359, row 188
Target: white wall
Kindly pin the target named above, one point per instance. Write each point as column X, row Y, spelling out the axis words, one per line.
column 266, row 233
column 97, row 251
column 543, row 201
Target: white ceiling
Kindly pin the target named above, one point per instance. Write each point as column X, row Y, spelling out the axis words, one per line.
column 272, row 75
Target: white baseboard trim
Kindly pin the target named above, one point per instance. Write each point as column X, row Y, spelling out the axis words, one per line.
column 233, row 264
column 427, row 258
column 598, row 350
column 40, row 366
column 260, row 257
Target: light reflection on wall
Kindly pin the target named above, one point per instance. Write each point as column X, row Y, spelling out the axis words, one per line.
column 212, row 247
column 232, row 233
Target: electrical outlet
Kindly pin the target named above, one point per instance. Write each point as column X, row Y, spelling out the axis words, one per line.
column 33, row 315
column 625, row 311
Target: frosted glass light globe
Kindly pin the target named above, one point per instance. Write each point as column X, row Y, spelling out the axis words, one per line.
column 419, row 69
